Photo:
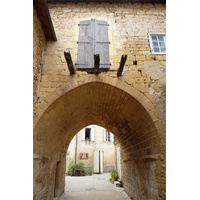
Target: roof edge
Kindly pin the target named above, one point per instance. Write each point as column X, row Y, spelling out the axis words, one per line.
column 49, row 19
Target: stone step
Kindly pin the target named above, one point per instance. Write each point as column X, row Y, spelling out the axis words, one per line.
column 120, row 181
column 117, row 183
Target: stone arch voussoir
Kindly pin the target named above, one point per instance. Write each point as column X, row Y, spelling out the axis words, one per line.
column 75, row 82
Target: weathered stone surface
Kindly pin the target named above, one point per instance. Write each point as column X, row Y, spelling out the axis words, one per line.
column 155, row 70
column 38, row 47
column 130, row 106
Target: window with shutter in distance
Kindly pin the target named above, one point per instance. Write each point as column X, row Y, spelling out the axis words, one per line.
column 108, row 136
column 88, row 134
column 93, row 39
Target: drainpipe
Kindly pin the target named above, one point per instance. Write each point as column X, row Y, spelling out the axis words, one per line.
column 76, row 148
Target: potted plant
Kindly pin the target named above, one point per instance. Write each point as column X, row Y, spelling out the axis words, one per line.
column 71, row 169
column 81, row 167
column 113, row 176
column 90, row 171
column 87, row 140
column 82, row 172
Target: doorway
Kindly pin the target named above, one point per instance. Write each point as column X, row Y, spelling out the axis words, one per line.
column 98, row 162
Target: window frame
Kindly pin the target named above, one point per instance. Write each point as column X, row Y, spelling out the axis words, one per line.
column 88, row 129
column 91, row 134
column 157, row 34
column 108, row 136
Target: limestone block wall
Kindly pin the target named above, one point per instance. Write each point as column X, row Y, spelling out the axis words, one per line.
column 143, row 77
column 119, row 108
column 129, row 25
column 38, row 49
column 128, row 34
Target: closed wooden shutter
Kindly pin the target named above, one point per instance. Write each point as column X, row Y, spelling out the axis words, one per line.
column 85, row 44
column 92, row 134
column 83, row 134
column 111, row 137
column 101, row 162
column 104, row 135
column 101, row 43
column 93, row 39
column 96, row 162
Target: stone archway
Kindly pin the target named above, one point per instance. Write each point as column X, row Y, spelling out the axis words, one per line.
column 112, row 104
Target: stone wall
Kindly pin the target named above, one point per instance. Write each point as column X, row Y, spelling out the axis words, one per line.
column 119, row 111
column 131, row 106
column 38, row 49
column 128, row 34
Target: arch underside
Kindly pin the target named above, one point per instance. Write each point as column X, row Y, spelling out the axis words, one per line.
column 117, row 111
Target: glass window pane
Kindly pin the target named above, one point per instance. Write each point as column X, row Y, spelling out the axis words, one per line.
column 163, row 49
column 156, row 49
column 155, row 44
column 162, row 44
column 154, row 38
column 160, row 38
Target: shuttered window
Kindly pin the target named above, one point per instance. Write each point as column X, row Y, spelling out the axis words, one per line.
column 93, row 39
column 108, row 136
column 87, row 134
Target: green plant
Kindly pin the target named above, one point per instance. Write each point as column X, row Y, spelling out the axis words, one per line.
column 69, row 171
column 113, row 176
column 81, row 164
column 87, row 140
column 90, row 171
column 71, row 168
column 76, row 170
column 79, row 169
column 82, row 172
column 163, row 88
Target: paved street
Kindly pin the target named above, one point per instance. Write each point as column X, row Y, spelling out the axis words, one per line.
column 95, row 187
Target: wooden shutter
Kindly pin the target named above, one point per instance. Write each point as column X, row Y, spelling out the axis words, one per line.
column 92, row 134
column 111, row 137
column 85, row 45
column 93, row 39
column 96, row 162
column 101, row 161
column 101, row 43
column 104, row 135
column 83, row 134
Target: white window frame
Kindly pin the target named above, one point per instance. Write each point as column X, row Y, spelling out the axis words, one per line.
column 151, row 42
column 108, row 136
column 83, row 134
column 111, row 136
